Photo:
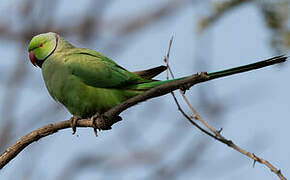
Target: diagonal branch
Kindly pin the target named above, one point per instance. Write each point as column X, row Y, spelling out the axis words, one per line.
column 35, row 135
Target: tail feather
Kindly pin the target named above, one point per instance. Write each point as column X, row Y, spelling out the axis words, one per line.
column 248, row 67
column 217, row 74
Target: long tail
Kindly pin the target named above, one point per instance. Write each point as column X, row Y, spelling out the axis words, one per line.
column 249, row 67
column 218, row 74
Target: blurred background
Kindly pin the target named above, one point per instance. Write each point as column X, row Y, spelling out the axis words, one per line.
column 154, row 141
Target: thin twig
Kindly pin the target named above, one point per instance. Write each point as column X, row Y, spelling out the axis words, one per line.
column 216, row 133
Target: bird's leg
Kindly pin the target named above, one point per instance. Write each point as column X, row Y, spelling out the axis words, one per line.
column 73, row 123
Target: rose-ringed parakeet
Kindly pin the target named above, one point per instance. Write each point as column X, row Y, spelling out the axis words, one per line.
column 86, row 82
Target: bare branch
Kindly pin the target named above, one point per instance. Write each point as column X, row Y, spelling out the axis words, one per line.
column 35, row 135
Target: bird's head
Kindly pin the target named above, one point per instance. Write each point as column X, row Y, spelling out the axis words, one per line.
column 41, row 47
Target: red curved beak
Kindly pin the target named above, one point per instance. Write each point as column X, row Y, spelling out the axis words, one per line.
column 32, row 58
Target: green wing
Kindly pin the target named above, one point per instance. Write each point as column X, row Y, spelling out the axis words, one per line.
column 96, row 70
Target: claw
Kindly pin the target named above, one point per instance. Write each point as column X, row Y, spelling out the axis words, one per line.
column 94, row 122
column 73, row 123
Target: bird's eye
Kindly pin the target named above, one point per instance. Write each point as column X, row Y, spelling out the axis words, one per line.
column 41, row 45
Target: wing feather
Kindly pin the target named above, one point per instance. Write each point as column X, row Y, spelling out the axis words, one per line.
column 97, row 70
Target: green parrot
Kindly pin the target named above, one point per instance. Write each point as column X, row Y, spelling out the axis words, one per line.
column 87, row 82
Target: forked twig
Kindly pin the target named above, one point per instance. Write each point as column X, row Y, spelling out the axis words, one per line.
column 216, row 134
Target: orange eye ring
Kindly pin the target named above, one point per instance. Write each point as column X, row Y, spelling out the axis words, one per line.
column 41, row 45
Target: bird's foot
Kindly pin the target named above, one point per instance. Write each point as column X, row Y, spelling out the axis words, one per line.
column 102, row 122
column 99, row 122
column 73, row 123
